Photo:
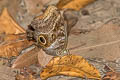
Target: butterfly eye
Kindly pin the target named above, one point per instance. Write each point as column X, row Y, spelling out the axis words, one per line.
column 42, row 40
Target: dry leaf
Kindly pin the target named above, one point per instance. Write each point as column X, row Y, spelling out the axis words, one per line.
column 31, row 57
column 101, row 43
column 8, row 25
column 11, row 37
column 73, row 4
column 111, row 74
column 70, row 65
column 6, row 73
column 12, row 44
column 22, row 77
column 27, row 58
column 43, row 58
column 44, row 2
column 9, row 49
column 33, row 6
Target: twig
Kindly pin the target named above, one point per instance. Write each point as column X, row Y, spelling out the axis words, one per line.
column 90, row 47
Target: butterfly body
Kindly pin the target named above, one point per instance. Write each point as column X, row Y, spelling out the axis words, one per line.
column 49, row 31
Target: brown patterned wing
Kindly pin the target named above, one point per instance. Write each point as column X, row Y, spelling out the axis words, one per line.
column 49, row 31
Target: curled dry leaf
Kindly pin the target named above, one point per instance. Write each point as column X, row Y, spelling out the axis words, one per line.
column 8, row 25
column 70, row 65
column 73, row 4
column 26, row 59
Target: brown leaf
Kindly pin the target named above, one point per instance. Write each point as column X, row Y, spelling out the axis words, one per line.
column 8, row 25
column 9, row 49
column 34, row 6
column 6, row 73
column 44, row 2
column 12, row 37
column 22, row 77
column 26, row 59
column 73, row 4
column 70, row 65
column 111, row 74
column 31, row 57
column 100, row 43
column 43, row 58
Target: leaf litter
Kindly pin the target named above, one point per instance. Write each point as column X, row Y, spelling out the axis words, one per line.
column 54, row 66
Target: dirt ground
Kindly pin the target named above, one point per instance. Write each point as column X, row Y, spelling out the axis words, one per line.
column 97, row 33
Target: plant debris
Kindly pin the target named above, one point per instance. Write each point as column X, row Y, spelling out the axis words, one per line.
column 70, row 65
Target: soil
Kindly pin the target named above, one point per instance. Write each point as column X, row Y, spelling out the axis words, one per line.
column 95, row 36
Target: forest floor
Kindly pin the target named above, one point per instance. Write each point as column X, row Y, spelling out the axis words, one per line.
column 97, row 32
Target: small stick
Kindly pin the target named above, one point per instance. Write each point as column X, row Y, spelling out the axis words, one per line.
column 90, row 47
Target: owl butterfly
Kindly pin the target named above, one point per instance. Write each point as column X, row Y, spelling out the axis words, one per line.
column 50, row 30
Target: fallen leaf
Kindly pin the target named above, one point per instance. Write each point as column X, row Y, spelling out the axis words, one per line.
column 27, row 58
column 73, row 4
column 12, row 37
column 31, row 57
column 44, row 2
column 8, row 25
column 111, row 74
column 22, row 77
column 6, row 73
column 70, row 65
column 100, row 43
column 43, row 58
column 33, row 6
column 9, row 49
